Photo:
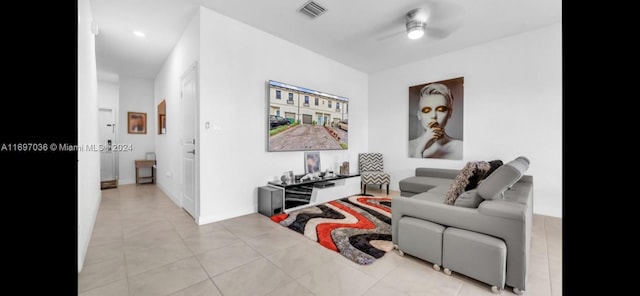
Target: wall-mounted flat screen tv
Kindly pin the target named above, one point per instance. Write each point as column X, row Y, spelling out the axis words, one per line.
column 302, row 119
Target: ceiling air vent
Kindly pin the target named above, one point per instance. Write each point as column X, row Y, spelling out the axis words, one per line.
column 312, row 9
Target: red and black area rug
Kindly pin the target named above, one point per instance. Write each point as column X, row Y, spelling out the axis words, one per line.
column 358, row 227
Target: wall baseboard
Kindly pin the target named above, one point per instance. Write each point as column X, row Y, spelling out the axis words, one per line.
column 175, row 200
column 82, row 254
column 554, row 212
column 210, row 219
column 126, row 181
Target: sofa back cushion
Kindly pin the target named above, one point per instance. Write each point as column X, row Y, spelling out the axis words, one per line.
column 461, row 182
column 503, row 178
column 469, row 199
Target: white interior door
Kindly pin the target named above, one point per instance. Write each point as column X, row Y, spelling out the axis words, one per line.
column 107, row 136
column 189, row 132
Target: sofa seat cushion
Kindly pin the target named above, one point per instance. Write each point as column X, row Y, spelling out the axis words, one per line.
column 442, row 189
column 430, row 196
column 375, row 177
column 423, row 184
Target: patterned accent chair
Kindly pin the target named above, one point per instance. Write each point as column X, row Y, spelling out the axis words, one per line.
column 371, row 169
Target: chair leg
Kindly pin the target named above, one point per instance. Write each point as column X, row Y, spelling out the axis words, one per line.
column 387, row 189
column 380, row 186
column 364, row 189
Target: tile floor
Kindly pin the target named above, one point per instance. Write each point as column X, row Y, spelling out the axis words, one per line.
column 143, row 244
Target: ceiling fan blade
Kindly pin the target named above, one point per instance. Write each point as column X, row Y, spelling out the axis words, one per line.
column 391, row 35
column 441, row 33
column 444, row 19
column 444, row 12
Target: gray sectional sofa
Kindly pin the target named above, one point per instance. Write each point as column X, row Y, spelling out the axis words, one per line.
column 485, row 234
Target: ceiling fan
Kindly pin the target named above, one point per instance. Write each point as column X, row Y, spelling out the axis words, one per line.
column 437, row 20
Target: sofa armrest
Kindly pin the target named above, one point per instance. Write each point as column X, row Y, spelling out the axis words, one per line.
column 503, row 209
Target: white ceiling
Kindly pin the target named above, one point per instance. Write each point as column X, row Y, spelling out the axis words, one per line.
column 368, row 35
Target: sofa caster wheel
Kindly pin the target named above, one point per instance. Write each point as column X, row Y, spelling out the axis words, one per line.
column 400, row 252
column 436, row 267
column 447, row 271
column 495, row 289
column 517, row 291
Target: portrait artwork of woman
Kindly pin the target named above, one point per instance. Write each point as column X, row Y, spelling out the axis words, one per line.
column 434, row 112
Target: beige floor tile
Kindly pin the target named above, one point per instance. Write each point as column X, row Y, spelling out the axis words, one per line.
column 249, row 225
column 274, row 240
column 536, row 286
column 168, row 279
column 336, row 278
column 290, row 289
column 383, row 289
column 108, row 222
column 539, row 267
column 539, row 244
column 554, row 248
column 381, row 267
column 145, row 226
column 202, row 242
column 299, row 259
column 181, row 216
column 255, row 278
column 204, row 288
column 472, row 286
column 555, row 270
column 556, row 287
column 190, row 228
column 106, row 235
column 108, row 216
column 553, row 222
column 117, row 288
column 224, row 259
column 101, row 273
column 153, row 257
column 104, row 252
column 147, row 240
column 538, row 224
column 416, row 278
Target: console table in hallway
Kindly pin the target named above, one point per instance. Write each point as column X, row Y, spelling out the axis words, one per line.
column 145, row 163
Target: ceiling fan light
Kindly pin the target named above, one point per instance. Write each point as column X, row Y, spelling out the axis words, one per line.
column 415, row 30
column 416, row 33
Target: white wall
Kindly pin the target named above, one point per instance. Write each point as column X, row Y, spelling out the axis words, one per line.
column 89, row 194
column 136, row 95
column 512, row 107
column 237, row 61
column 108, row 95
column 167, row 87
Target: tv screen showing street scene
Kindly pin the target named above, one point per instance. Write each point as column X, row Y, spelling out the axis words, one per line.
column 302, row 119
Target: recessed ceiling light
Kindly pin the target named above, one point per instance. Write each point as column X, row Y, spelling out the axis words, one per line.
column 138, row 33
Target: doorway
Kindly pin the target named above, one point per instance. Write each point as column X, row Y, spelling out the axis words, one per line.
column 189, row 140
column 108, row 157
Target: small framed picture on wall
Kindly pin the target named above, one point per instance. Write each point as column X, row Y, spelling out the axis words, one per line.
column 311, row 162
column 137, row 122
